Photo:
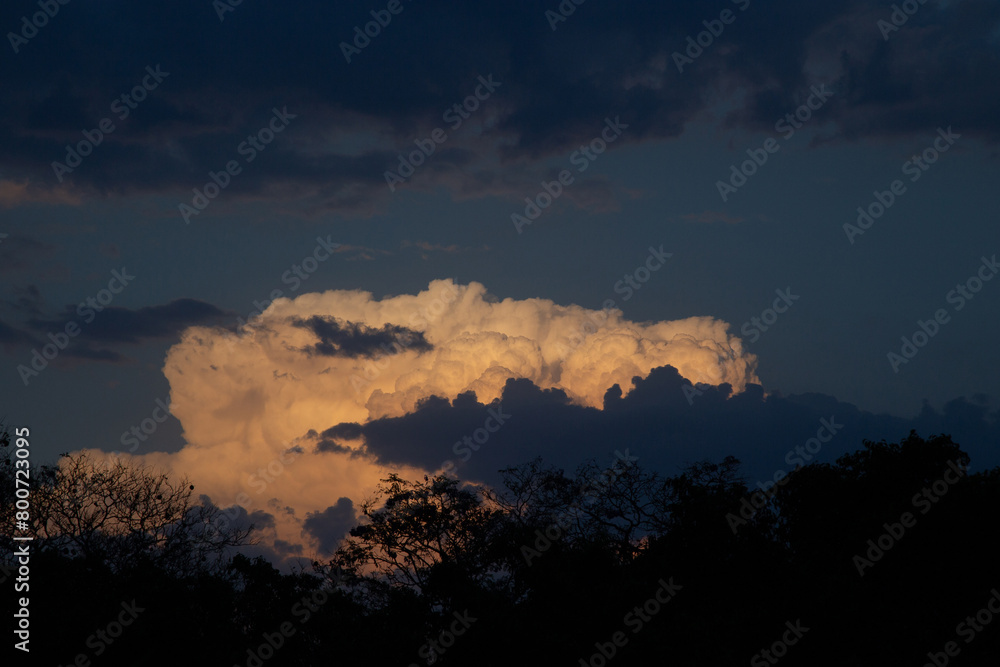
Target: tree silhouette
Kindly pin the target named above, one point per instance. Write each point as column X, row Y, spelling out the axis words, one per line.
column 430, row 552
column 125, row 514
column 429, row 536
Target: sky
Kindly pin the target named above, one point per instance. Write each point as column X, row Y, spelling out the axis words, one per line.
column 284, row 248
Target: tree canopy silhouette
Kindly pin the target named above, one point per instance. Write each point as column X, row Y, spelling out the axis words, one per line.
column 543, row 570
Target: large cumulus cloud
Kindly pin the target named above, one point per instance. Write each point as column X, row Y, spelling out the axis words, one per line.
column 455, row 379
column 253, row 404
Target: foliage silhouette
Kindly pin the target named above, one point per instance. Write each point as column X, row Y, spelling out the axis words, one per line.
column 429, row 552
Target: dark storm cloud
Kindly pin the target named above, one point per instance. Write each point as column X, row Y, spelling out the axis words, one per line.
column 281, row 553
column 15, row 340
column 657, row 422
column 125, row 325
column 349, row 431
column 238, row 517
column 287, row 548
column 328, row 445
column 331, row 525
column 259, row 519
column 352, row 339
column 328, row 440
column 555, row 86
column 95, row 330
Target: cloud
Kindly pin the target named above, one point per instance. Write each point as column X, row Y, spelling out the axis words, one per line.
column 111, row 325
column 357, row 252
column 555, row 89
column 255, row 409
column 663, row 420
column 425, row 248
column 331, row 525
column 425, row 245
column 351, row 339
column 124, row 325
column 306, row 438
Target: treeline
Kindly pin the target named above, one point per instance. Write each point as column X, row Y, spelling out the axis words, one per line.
column 887, row 557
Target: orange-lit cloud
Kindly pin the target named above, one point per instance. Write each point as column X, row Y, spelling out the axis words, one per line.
column 249, row 401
